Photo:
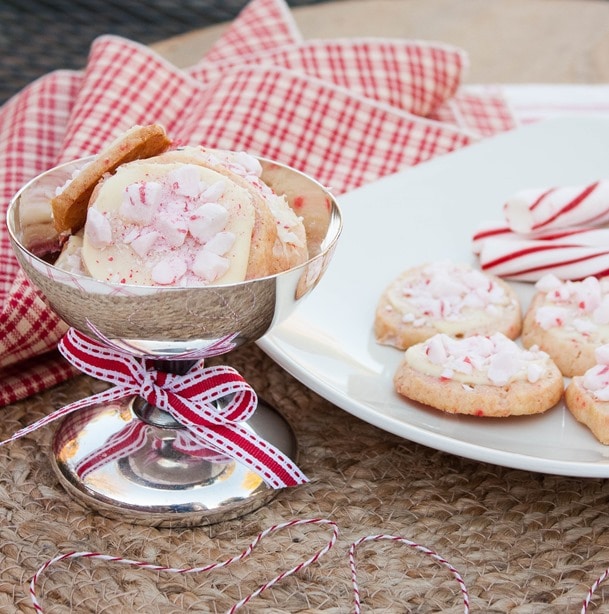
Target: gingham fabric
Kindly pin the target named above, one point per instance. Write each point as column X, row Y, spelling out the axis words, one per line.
column 346, row 112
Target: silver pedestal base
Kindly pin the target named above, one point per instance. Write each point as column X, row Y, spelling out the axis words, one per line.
column 156, row 481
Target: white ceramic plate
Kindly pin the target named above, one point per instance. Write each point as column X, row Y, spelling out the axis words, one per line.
column 429, row 213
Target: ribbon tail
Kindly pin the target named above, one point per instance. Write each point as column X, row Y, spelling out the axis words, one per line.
column 241, row 444
column 112, row 394
column 270, row 463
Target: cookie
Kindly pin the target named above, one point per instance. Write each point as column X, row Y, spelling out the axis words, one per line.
column 278, row 238
column 569, row 320
column 479, row 376
column 587, row 396
column 454, row 299
column 70, row 205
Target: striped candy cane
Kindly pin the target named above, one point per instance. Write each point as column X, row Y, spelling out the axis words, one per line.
column 205, row 568
column 559, row 207
column 591, row 236
column 423, row 549
column 527, row 260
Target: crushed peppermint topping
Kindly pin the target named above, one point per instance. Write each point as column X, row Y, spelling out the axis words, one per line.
column 162, row 216
column 243, row 164
column 596, row 379
column 444, row 291
column 99, row 230
column 496, row 357
column 579, row 305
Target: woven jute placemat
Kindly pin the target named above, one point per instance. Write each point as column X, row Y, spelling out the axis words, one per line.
column 523, row 542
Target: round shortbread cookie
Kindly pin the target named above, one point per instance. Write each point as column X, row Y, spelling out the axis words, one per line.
column 444, row 297
column 587, row 409
column 587, row 396
column 140, row 142
column 568, row 320
column 273, row 251
column 479, row 376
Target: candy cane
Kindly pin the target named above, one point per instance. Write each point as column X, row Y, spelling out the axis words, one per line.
column 527, row 260
column 488, row 231
column 205, row 568
column 590, row 236
column 560, row 207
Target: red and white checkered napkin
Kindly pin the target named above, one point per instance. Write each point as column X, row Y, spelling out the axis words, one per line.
column 345, row 111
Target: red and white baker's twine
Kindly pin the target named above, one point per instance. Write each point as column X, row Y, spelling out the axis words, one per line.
column 189, row 398
column 245, row 553
column 205, row 568
column 402, row 540
column 297, row 568
column 592, row 590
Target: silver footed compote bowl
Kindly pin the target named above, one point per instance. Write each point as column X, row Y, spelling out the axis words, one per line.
column 129, row 459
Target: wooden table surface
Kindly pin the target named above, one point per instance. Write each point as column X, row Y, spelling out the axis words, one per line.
column 508, row 41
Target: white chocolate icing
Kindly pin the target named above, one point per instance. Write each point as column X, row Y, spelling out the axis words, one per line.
column 477, row 360
column 70, row 258
column 168, row 224
column 447, row 296
column 574, row 307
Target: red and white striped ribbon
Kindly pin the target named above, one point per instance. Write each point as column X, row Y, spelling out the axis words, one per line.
column 204, row 568
column 420, row 548
column 189, row 398
column 189, row 444
column 133, row 437
column 125, row 442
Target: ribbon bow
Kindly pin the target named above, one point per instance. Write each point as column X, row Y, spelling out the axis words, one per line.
column 212, row 403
